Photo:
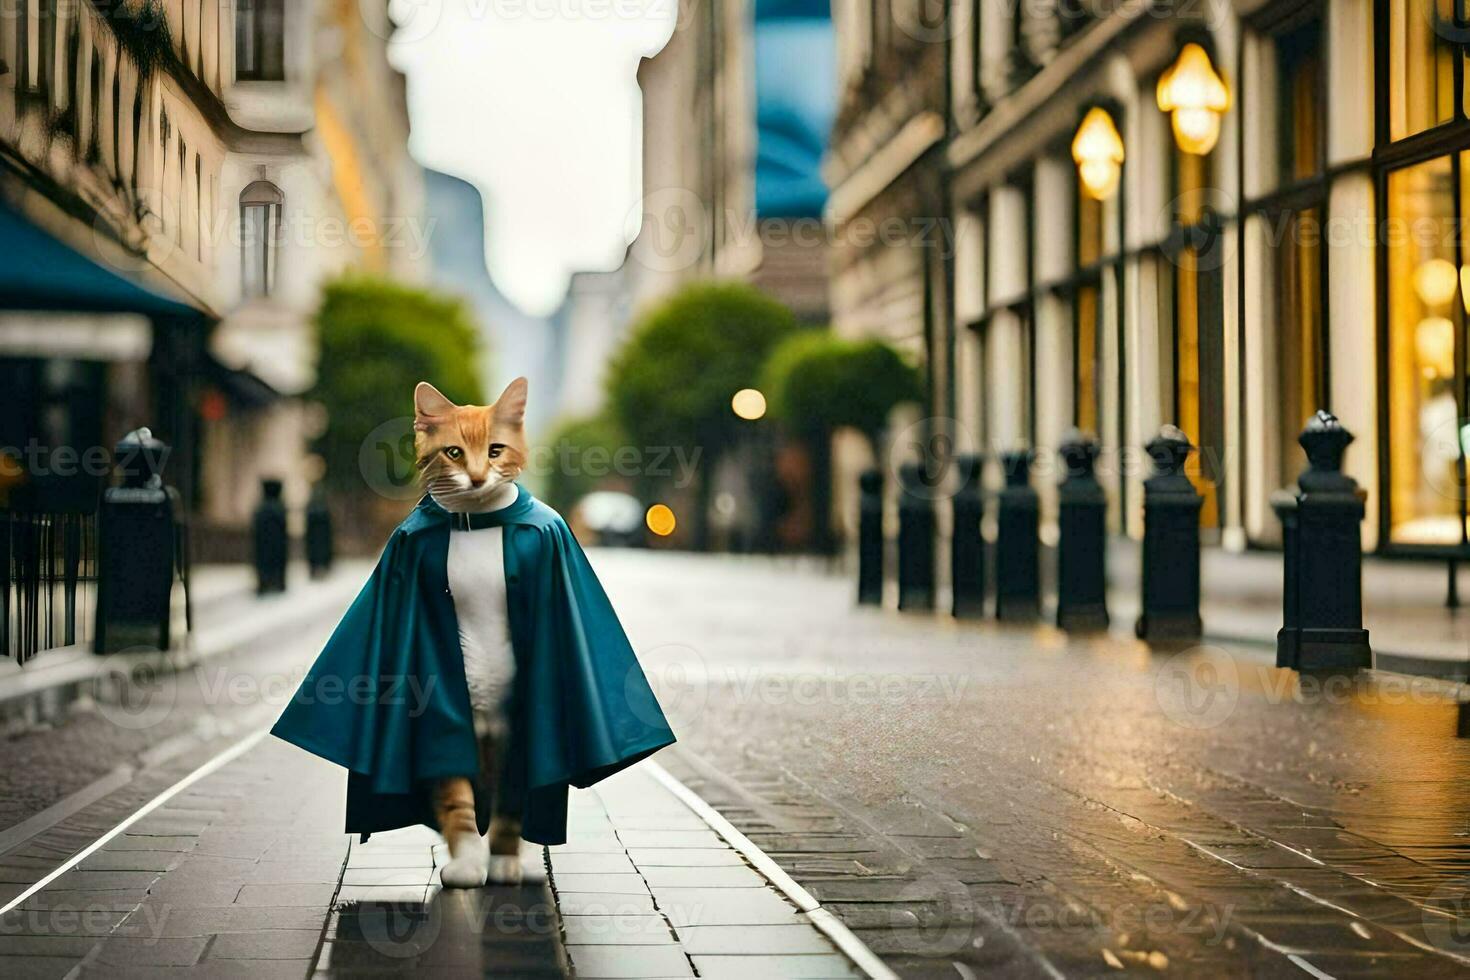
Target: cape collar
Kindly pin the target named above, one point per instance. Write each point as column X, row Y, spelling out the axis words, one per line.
column 512, row 513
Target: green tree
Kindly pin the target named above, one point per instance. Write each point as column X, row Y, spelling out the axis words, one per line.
column 377, row 339
column 670, row 385
column 581, row 450
column 817, row 383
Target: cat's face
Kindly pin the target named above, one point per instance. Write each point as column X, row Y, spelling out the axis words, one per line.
column 466, row 451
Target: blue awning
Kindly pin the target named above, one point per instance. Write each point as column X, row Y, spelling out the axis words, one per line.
column 37, row 272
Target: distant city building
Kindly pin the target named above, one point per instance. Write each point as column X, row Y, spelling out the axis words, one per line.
column 737, row 107
column 515, row 343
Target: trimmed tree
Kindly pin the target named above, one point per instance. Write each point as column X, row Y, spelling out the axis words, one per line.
column 671, row 383
column 582, row 450
column 818, row 383
column 378, row 339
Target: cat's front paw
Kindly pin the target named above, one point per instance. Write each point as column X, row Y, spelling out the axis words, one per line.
column 505, row 869
column 468, row 868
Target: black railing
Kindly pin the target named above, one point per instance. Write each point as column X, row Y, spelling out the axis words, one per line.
column 48, row 573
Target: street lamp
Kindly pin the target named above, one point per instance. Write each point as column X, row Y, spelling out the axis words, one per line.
column 1097, row 149
column 1196, row 97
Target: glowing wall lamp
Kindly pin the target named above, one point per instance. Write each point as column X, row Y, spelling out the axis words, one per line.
column 1434, row 281
column 1097, row 149
column 1434, row 343
column 1195, row 96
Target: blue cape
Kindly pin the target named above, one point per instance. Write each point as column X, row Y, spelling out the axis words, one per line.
column 387, row 698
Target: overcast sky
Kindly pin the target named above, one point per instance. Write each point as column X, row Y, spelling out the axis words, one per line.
column 536, row 102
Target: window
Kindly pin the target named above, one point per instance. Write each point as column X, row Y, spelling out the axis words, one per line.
column 1421, row 65
column 260, row 40
column 46, row 26
column 1087, row 314
column 137, row 133
column 1298, row 260
column 1426, row 351
column 1199, row 315
column 199, row 221
column 182, row 204
column 94, row 136
column 117, row 121
column 260, row 220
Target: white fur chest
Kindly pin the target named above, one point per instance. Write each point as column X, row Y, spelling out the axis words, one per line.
column 476, row 569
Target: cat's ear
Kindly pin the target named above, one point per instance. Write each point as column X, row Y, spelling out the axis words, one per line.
column 510, row 407
column 429, row 404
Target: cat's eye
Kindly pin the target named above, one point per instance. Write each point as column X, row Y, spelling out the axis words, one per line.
column 454, row 452
column 496, row 448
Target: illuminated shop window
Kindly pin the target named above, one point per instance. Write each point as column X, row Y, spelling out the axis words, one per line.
column 1425, row 364
column 1421, row 73
column 1087, row 311
column 1300, row 258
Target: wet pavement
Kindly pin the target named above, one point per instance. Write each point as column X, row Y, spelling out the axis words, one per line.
column 966, row 798
column 971, row 797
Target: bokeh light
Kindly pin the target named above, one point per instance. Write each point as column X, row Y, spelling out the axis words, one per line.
column 660, row 520
column 748, row 404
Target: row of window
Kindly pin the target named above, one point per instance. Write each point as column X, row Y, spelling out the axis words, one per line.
column 1421, row 177
column 45, row 29
column 108, row 130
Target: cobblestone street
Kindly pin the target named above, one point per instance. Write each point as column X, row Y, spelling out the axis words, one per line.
column 965, row 798
column 998, row 797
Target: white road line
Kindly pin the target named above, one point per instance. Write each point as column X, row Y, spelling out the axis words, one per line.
column 842, row 937
column 1310, row 968
column 213, row 765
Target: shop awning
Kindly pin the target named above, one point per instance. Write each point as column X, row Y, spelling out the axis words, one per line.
column 37, row 272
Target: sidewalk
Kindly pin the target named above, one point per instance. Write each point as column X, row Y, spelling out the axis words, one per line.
column 242, row 873
column 1404, row 610
column 227, row 615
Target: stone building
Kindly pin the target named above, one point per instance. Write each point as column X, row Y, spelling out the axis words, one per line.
column 224, row 156
column 1262, row 217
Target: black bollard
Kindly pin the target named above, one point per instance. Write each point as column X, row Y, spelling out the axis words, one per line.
column 270, row 539
column 318, row 533
column 138, row 553
column 1322, row 594
column 967, row 547
column 915, row 540
column 1017, row 561
column 1171, row 507
column 1082, row 523
column 870, row 538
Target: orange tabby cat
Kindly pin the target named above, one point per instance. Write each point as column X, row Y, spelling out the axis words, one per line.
column 465, row 454
column 465, row 451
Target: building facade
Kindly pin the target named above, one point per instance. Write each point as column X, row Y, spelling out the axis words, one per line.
column 1264, row 220
column 735, row 109
column 226, row 155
